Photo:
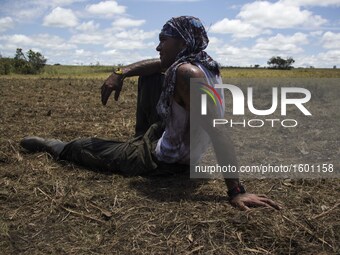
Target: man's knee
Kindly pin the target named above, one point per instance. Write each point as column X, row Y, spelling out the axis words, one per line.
column 151, row 81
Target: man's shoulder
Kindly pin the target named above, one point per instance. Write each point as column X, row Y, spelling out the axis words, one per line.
column 184, row 73
column 188, row 70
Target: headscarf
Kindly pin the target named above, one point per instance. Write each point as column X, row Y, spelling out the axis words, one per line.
column 193, row 32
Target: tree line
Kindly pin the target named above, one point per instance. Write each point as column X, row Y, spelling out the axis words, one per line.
column 30, row 63
column 33, row 62
column 275, row 62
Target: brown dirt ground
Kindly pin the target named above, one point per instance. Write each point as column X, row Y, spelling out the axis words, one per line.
column 58, row 208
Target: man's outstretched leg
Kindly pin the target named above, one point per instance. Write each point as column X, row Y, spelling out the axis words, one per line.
column 134, row 157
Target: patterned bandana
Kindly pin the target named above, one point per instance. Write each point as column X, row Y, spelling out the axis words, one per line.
column 168, row 30
column 193, row 32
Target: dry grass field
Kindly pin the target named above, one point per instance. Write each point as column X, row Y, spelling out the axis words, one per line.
column 49, row 207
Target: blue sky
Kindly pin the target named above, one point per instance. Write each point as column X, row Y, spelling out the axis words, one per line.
column 241, row 33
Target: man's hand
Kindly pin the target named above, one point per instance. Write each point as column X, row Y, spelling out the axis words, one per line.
column 246, row 200
column 113, row 83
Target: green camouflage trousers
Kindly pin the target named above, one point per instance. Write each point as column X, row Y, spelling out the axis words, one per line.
column 135, row 156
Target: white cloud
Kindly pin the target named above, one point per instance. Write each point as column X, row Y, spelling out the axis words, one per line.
column 326, row 59
column 214, row 40
column 278, row 15
column 83, row 53
column 184, row 1
column 307, row 61
column 137, row 35
column 229, row 55
column 126, row 22
column 88, row 26
column 6, row 23
column 52, row 41
column 316, row 33
column 330, row 58
column 231, row 50
column 89, row 39
column 264, row 48
column 214, row 43
column 106, row 8
column 113, row 57
column 54, row 48
column 52, row 3
column 258, row 17
column 236, row 27
column 109, row 52
column 126, row 45
column 297, row 38
column 24, row 11
column 125, row 40
column 312, row 2
column 55, row 3
column 29, row 13
column 43, row 41
column 60, row 17
column 21, row 10
column 281, row 44
column 18, row 39
column 331, row 40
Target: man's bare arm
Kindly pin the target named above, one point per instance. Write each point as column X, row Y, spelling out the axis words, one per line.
column 221, row 141
column 115, row 81
column 223, row 146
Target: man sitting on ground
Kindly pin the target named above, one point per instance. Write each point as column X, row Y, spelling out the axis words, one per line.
column 162, row 142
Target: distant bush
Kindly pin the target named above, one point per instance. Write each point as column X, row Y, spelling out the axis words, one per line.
column 280, row 63
column 6, row 65
column 31, row 63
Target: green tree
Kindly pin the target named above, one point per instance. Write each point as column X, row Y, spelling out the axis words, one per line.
column 36, row 60
column 289, row 62
column 31, row 63
column 280, row 63
column 19, row 55
column 6, row 65
column 20, row 62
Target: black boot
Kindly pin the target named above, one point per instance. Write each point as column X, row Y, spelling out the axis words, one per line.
column 38, row 144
